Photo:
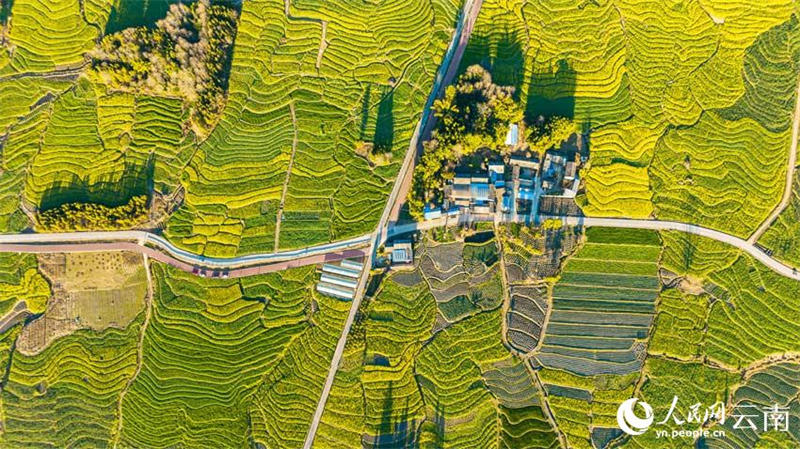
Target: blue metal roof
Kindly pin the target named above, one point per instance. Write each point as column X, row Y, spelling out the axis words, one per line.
column 479, row 191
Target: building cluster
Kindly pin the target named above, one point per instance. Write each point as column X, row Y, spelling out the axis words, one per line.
column 512, row 187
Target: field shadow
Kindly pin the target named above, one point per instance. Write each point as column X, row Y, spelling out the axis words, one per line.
column 540, row 105
column 111, row 190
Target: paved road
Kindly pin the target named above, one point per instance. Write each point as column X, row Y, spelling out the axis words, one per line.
column 140, row 241
column 450, row 62
column 447, row 72
column 657, row 225
column 76, row 247
column 787, row 190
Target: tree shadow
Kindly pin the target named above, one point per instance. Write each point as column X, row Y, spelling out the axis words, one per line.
column 136, row 13
column 439, row 423
column 688, row 251
column 145, row 13
column 551, row 93
column 5, row 12
column 110, row 190
column 504, row 59
column 384, row 124
column 394, row 430
column 362, row 131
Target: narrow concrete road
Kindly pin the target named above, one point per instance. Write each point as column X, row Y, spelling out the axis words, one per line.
column 656, row 225
column 84, row 247
column 787, row 190
column 144, row 242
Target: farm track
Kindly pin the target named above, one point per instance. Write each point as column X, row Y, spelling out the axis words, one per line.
column 790, row 171
column 69, row 73
column 279, row 217
column 149, row 300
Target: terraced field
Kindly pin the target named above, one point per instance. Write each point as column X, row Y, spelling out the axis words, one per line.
column 215, row 352
column 67, row 395
column 49, row 35
column 584, row 408
column 409, row 380
column 765, row 304
column 526, row 316
column 688, row 104
column 323, row 99
column 783, row 235
column 340, row 78
column 602, row 309
column 531, row 256
column 464, row 278
column 777, row 384
column 375, row 397
column 450, row 371
column 692, row 382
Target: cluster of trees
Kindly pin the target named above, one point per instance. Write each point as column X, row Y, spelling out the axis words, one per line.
column 474, row 113
column 552, row 133
column 186, row 55
column 92, row 216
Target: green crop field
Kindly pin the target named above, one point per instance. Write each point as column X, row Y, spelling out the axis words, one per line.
column 315, row 102
column 778, row 384
column 231, row 128
column 211, row 362
column 602, row 309
column 215, row 354
column 783, row 235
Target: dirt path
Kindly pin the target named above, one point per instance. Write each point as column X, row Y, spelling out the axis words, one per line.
column 139, row 348
column 323, row 43
column 68, row 73
column 787, row 190
column 279, row 217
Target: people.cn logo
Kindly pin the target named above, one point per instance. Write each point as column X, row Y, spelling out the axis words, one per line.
column 629, row 422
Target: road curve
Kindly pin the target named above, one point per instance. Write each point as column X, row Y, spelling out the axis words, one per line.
column 122, row 240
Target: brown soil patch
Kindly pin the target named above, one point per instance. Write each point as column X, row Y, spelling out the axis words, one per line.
column 90, row 291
